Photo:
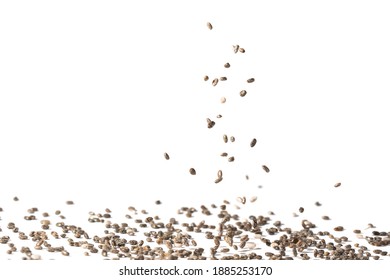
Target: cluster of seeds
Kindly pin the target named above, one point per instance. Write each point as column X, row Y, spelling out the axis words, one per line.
column 226, row 235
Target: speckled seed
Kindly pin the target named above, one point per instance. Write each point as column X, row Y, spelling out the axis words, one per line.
column 253, row 142
column 232, row 139
column 192, row 171
column 209, row 26
column 222, row 78
column 265, row 168
column 215, row 82
column 241, row 50
column 253, row 199
column 251, row 80
column 301, row 209
column 206, row 78
column 242, row 93
column 223, row 100
column 219, row 179
column 210, row 123
column 231, row 159
column 337, row 185
column 227, row 65
column 225, row 138
column 166, row 156
column 236, row 48
column 339, row 228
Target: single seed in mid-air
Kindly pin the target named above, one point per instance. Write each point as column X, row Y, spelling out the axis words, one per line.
column 219, row 179
column 210, row 123
column 166, row 156
column 301, row 209
column 222, row 78
column 339, row 228
column 253, row 143
column 223, row 100
column 232, row 139
column 326, row 218
column 225, row 138
column 318, row 204
column 192, row 171
column 227, row 65
column 236, row 48
column 242, row 93
column 224, row 154
column 253, row 199
column 69, row 202
column 206, row 78
column 215, row 82
column 251, row 80
column 241, row 50
column 337, row 185
column 219, row 116
column 219, row 173
column 265, row 168
column 231, row 159
column 209, row 26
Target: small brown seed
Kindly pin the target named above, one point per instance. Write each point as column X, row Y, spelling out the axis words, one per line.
column 231, row 159
column 251, row 80
column 241, row 50
column 253, row 199
column 222, row 78
column 326, row 218
column 16, row 198
column 337, row 185
column 219, row 174
column 210, row 123
column 301, row 209
column 232, row 139
column 224, row 154
column 209, row 26
column 357, row 231
column 219, row 179
column 69, row 202
column 225, row 138
column 339, row 228
column 219, row 116
column 206, row 78
column 215, row 82
column 166, row 156
column 242, row 93
column 318, row 204
column 223, row 100
column 57, row 212
column 253, row 142
column 158, row 202
column 192, row 171
column 265, row 168
column 236, row 48
column 227, row 65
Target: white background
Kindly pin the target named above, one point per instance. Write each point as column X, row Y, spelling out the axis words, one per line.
column 92, row 93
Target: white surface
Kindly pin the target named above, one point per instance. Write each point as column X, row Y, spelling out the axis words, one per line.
column 93, row 93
